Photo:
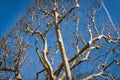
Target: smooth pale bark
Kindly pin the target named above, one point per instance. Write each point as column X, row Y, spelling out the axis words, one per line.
column 61, row 43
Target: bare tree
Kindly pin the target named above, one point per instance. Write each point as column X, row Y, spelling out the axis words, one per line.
column 67, row 37
column 12, row 54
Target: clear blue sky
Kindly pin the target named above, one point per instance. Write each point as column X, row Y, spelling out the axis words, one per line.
column 113, row 7
column 11, row 10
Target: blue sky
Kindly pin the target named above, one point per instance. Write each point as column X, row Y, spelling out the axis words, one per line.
column 113, row 7
column 11, row 10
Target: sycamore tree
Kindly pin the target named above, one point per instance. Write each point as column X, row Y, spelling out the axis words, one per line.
column 62, row 40
column 12, row 54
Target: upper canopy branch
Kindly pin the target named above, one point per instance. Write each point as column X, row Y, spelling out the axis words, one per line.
column 85, row 48
column 69, row 11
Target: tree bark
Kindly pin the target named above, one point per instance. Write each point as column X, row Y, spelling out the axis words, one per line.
column 61, row 43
